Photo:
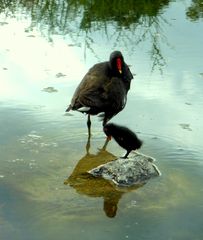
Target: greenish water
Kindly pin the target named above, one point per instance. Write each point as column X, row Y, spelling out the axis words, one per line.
column 46, row 48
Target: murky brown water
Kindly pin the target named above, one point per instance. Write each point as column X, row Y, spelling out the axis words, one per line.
column 45, row 51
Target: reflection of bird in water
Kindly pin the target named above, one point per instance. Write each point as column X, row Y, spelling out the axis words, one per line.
column 126, row 138
column 103, row 89
column 86, row 184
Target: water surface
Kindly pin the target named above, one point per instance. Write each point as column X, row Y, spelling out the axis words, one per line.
column 46, row 48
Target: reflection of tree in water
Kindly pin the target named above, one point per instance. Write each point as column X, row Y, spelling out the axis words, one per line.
column 8, row 5
column 195, row 11
column 88, row 185
column 125, row 23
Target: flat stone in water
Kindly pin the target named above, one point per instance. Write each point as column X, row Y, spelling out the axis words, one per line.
column 135, row 170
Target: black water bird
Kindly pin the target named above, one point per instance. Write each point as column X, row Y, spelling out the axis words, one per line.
column 103, row 90
column 126, row 138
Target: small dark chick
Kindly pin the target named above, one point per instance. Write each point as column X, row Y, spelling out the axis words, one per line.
column 126, row 138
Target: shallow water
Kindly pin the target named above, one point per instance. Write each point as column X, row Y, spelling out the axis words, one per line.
column 45, row 51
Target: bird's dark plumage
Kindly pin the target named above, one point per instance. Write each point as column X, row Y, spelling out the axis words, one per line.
column 126, row 138
column 103, row 89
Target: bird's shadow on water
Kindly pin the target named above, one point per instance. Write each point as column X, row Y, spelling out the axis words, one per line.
column 91, row 186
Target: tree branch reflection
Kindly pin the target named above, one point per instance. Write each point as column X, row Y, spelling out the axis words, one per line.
column 195, row 11
column 126, row 24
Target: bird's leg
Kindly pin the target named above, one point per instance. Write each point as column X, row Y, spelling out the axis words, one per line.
column 89, row 125
column 126, row 155
column 107, row 138
column 105, row 120
column 88, row 144
column 106, row 143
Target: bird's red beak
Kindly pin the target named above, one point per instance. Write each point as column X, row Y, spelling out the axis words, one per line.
column 119, row 65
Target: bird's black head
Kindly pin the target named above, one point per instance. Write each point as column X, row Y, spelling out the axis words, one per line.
column 116, row 63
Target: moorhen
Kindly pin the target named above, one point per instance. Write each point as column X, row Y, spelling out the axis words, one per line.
column 103, row 89
column 126, row 138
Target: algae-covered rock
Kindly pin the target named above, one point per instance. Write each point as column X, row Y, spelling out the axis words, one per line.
column 136, row 169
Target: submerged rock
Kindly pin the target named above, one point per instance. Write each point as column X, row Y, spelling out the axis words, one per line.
column 135, row 170
column 58, row 75
column 49, row 89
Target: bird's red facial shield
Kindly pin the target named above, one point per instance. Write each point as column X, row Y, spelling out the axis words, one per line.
column 119, row 65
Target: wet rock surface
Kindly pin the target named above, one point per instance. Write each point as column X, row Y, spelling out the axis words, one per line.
column 136, row 169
